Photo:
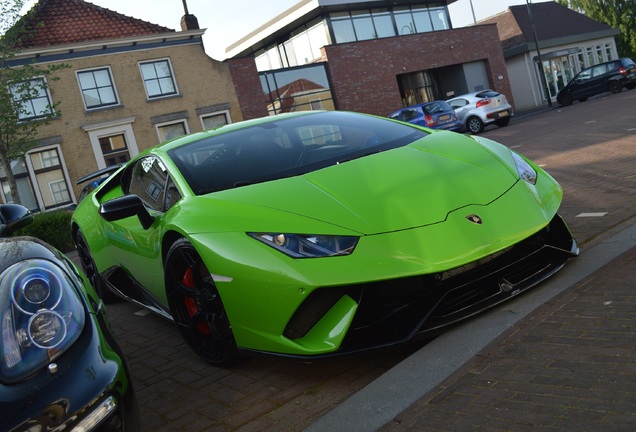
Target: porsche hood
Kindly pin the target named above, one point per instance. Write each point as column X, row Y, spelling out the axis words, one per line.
column 398, row 189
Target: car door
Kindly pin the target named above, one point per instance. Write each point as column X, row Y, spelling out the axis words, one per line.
column 413, row 115
column 138, row 249
column 598, row 83
column 461, row 108
column 580, row 84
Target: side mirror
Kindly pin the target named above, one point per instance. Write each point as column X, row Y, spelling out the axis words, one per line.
column 126, row 206
column 13, row 217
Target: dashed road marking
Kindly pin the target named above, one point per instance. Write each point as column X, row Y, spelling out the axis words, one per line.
column 142, row 312
column 599, row 214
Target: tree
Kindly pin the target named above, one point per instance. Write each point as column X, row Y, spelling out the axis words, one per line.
column 25, row 104
column 620, row 14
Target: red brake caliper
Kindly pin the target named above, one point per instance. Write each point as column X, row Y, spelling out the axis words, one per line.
column 190, row 303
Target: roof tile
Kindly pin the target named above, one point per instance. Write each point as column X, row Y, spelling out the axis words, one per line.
column 58, row 22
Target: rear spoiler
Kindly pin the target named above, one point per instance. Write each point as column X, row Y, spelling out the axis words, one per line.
column 108, row 170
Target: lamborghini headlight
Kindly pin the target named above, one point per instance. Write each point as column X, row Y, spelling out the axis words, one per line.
column 526, row 172
column 41, row 315
column 308, row 246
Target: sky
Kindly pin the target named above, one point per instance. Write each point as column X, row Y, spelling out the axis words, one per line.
column 228, row 21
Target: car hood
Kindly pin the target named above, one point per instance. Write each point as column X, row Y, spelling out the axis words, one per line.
column 397, row 189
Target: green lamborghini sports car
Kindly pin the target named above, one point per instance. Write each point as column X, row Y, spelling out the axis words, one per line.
column 323, row 233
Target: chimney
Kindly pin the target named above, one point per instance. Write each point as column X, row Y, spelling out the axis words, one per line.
column 188, row 22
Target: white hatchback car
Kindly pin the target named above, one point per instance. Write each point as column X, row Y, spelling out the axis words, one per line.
column 478, row 109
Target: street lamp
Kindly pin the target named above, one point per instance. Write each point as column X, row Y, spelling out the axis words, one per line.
column 544, row 82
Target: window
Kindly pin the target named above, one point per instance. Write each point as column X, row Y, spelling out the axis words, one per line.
column 212, row 121
column 112, row 141
column 41, row 179
column 114, row 149
column 59, row 192
column 98, row 88
column 49, row 158
column 158, row 78
column 168, row 131
column 31, row 99
column 298, row 89
column 148, row 182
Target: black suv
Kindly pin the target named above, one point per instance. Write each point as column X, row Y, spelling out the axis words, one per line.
column 611, row 76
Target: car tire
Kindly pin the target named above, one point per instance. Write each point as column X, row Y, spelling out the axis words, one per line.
column 474, row 125
column 565, row 99
column 631, row 86
column 614, row 87
column 196, row 306
column 503, row 121
column 90, row 269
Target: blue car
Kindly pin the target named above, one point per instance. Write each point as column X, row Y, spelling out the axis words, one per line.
column 434, row 115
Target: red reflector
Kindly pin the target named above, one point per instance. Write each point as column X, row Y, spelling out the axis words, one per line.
column 430, row 121
column 483, row 102
column 622, row 71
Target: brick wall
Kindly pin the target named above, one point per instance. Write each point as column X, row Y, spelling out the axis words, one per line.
column 247, row 86
column 364, row 74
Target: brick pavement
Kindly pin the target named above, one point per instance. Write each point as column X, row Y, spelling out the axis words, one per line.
column 179, row 392
column 571, row 365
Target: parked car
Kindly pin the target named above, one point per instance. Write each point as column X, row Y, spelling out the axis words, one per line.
column 604, row 77
column 94, row 180
column 60, row 368
column 479, row 109
column 434, row 115
column 315, row 234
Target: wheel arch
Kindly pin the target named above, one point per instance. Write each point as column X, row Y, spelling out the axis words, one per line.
column 169, row 238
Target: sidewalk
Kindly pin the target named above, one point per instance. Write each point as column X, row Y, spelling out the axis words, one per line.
column 560, row 357
column 570, row 365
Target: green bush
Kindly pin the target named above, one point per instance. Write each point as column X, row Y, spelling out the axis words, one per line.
column 53, row 227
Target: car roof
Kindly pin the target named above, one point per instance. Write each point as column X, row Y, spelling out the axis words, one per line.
column 473, row 95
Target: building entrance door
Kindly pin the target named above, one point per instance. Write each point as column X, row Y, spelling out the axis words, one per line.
column 558, row 71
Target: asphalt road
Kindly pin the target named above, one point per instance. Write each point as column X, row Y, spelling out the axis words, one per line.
column 590, row 148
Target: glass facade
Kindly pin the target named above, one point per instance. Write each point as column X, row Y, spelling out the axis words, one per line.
column 302, row 46
column 561, row 66
column 297, row 89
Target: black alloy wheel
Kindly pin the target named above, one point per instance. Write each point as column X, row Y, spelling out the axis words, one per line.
column 474, row 125
column 90, row 270
column 615, row 87
column 565, row 99
column 196, row 306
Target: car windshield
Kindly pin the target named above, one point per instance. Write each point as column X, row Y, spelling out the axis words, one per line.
column 285, row 147
column 437, row 107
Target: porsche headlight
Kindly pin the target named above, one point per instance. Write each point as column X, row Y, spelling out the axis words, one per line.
column 526, row 172
column 308, row 246
column 41, row 316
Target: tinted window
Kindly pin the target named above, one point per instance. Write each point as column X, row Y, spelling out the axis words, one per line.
column 487, row 94
column 286, row 147
column 599, row 70
column 148, row 182
column 437, row 107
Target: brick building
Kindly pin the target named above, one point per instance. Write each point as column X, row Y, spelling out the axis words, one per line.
column 131, row 85
column 366, row 56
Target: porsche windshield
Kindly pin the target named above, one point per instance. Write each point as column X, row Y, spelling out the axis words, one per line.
column 285, row 147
